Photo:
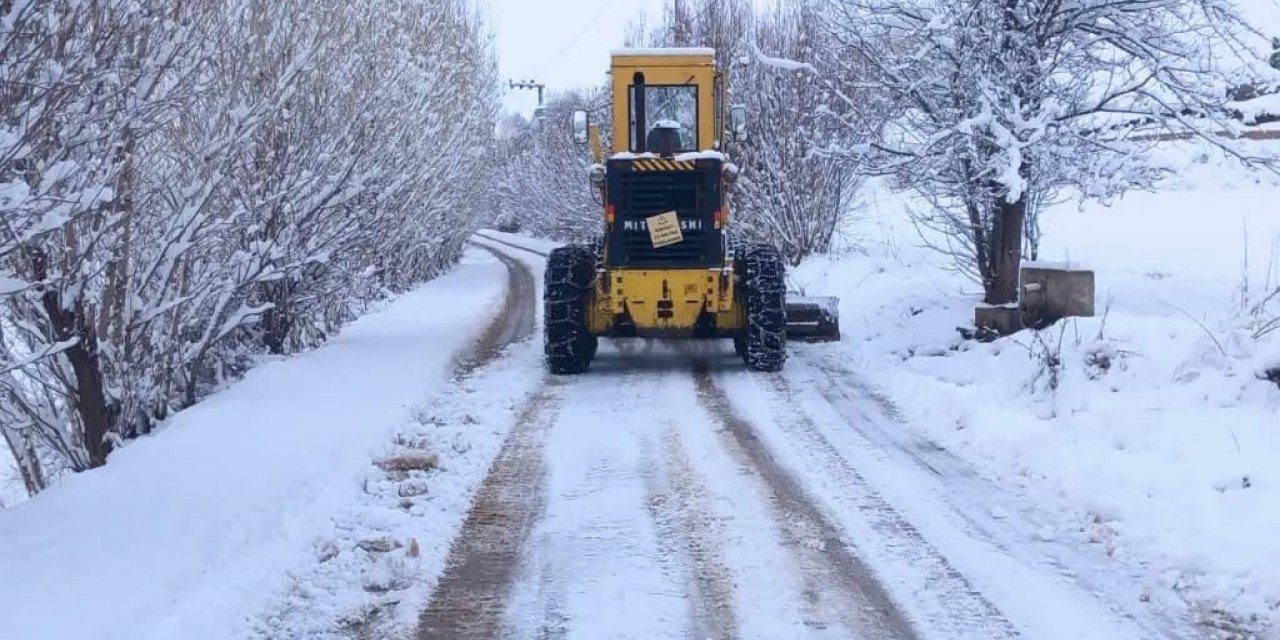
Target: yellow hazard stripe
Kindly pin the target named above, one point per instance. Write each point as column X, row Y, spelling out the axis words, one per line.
column 650, row 164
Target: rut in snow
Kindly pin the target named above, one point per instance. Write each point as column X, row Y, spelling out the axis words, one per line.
column 837, row 583
column 515, row 321
column 469, row 600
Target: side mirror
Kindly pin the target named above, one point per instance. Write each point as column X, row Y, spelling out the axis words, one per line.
column 580, row 126
column 738, row 123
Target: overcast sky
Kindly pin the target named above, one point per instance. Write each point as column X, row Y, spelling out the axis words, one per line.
column 562, row 43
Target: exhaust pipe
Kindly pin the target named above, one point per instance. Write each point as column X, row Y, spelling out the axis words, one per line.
column 638, row 136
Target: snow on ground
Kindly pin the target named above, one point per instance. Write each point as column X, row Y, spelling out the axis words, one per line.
column 1146, row 429
column 1144, row 435
column 187, row 533
column 376, row 562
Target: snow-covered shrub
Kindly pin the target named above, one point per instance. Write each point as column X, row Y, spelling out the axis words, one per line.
column 1046, row 351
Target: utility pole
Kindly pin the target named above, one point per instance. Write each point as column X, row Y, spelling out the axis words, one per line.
column 538, row 112
column 528, row 84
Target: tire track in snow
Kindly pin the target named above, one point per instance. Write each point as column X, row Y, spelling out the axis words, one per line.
column 513, row 245
column 514, row 323
column 676, row 504
column 950, row 604
column 872, row 416
column 944, row 602
column 358, row 591
column 597, row 563
column 839, row 588
column 470, row 599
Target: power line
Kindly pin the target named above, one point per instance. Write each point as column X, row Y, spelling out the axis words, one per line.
column 576, row 38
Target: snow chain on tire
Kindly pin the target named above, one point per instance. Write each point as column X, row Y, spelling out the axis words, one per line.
column 763, row 276
column 567, row 344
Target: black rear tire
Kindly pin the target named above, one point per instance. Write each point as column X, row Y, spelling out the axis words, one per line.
column 763, row 279
column 568, row 345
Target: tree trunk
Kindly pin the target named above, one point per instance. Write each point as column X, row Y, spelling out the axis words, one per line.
column 96, row 413
column 28, row 459
column 89, row 393
column 277, row 322
column 1006, row 251
column 275, row 328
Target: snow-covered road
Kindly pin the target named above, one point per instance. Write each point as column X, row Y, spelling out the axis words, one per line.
column 668, row 493
column 643, row 516
column 421, row 477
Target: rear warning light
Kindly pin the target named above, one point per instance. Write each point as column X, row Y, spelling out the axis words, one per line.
column 609, row 212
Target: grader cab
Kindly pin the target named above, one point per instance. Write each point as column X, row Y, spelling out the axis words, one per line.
column 668, row 265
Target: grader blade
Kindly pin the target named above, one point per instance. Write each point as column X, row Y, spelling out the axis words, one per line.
column 813, row 319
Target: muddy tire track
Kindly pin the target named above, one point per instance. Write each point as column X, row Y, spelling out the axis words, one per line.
column 471, row 598
column 829, row 568
column 514, row 323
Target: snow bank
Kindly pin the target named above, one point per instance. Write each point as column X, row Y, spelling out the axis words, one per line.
column 1147, row 431
column 188, row 533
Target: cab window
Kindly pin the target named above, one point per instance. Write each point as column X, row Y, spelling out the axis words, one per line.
column 673, row 103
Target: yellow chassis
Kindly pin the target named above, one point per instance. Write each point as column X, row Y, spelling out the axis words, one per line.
column 667, row 303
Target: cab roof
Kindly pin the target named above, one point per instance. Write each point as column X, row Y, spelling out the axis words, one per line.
column 663, row 51
column 664, row 57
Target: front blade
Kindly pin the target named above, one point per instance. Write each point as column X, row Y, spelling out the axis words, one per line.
column 813, row 319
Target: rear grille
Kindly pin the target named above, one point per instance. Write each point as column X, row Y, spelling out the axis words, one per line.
column 642, row 194
column 647, row 193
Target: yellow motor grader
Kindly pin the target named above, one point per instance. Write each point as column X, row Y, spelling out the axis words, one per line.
column 668, row 265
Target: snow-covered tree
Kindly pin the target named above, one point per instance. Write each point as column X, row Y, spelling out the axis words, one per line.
column 186, row 185
column 85, row 85
column 543, row 186
column 991, row 108
column 791, row 194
